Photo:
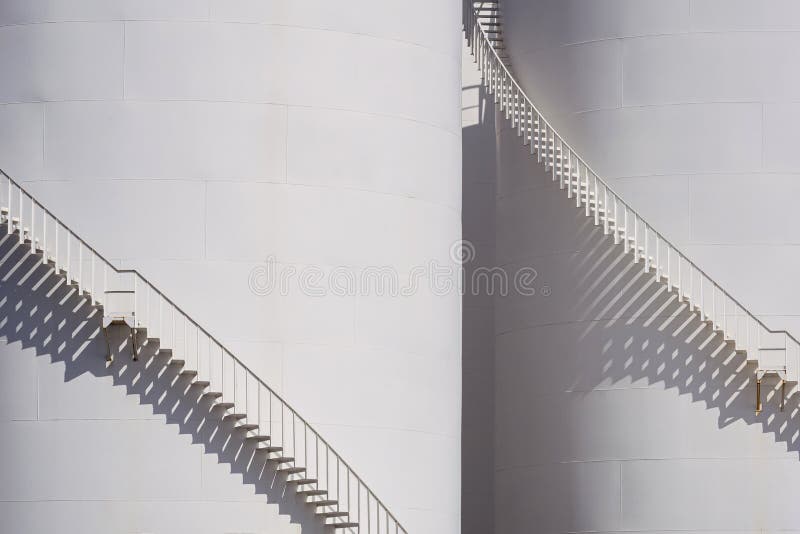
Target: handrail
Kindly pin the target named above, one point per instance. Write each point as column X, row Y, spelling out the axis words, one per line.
column 333, row 473
column 537, row 131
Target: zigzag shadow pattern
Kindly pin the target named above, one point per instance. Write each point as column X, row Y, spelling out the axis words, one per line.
column 39, row 310
column 630, row 330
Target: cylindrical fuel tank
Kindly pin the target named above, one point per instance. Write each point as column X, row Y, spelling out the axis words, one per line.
column 617, row 409
column 202, row 142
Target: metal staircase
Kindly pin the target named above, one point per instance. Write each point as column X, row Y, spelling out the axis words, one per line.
column 318, row 474
column 772, row 352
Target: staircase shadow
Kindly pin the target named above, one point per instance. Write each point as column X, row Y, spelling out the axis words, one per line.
column 41, row 312
column 633, row 332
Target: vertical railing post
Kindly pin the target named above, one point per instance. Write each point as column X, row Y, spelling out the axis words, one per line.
column 626, row 245
column 21, row 219
column 703, row 313
column 714, row 318
column 659, row 270
column 669, row 268
column 569, row 172
column 33, row 226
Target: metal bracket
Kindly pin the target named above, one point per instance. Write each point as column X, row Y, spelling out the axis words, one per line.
column 131, row 324
column 781, row 375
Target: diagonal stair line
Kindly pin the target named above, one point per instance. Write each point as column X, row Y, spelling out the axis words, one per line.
column 334, row 492
column 774, row 352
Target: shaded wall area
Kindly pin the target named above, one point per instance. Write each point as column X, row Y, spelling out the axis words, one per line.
column 478, row 222
column 689, row 107
column 616, row 409
column 132, row 447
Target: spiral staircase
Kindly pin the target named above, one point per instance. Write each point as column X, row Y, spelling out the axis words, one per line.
column 772, row 352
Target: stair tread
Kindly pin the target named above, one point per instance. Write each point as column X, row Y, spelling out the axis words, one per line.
column 324, row 502
column 312, row 492
column 257, row 438
column 282, row 459
column 302, row 481
column 293, row 470
column 335, row 513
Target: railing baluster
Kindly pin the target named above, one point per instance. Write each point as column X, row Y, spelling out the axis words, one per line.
column 703, row 313
column 10, row 205
column 669, row 269
column 526, row 119
column 627, row 231
column 69, row 259
column 659, row 270
column 91, row 284
column 714, row 318
column 33, row 226
column 21, row 219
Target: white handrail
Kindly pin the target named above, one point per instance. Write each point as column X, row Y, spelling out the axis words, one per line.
column 725, row 312
column 300, row 445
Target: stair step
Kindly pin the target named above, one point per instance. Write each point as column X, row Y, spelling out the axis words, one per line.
column 212, row 394
column 343, row 525
column 247, row 427
column 335, row 513
column 312, row 492
column 291, row 470
column 324, row 502
column 201, row 383
column 224, row 405
column 257, row 438
column 235, row 416
column 271, row 449
column 302, row 481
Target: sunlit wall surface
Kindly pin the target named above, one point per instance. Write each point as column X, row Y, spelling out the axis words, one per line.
column 616, row 410
column 204, row 141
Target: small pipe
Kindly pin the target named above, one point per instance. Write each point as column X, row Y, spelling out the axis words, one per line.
column 133, row 343
column 758, row 395
column 783, row 394
column 109, row 356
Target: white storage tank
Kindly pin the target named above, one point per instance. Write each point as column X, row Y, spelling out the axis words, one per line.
column 616, row 409
column 206, row 142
